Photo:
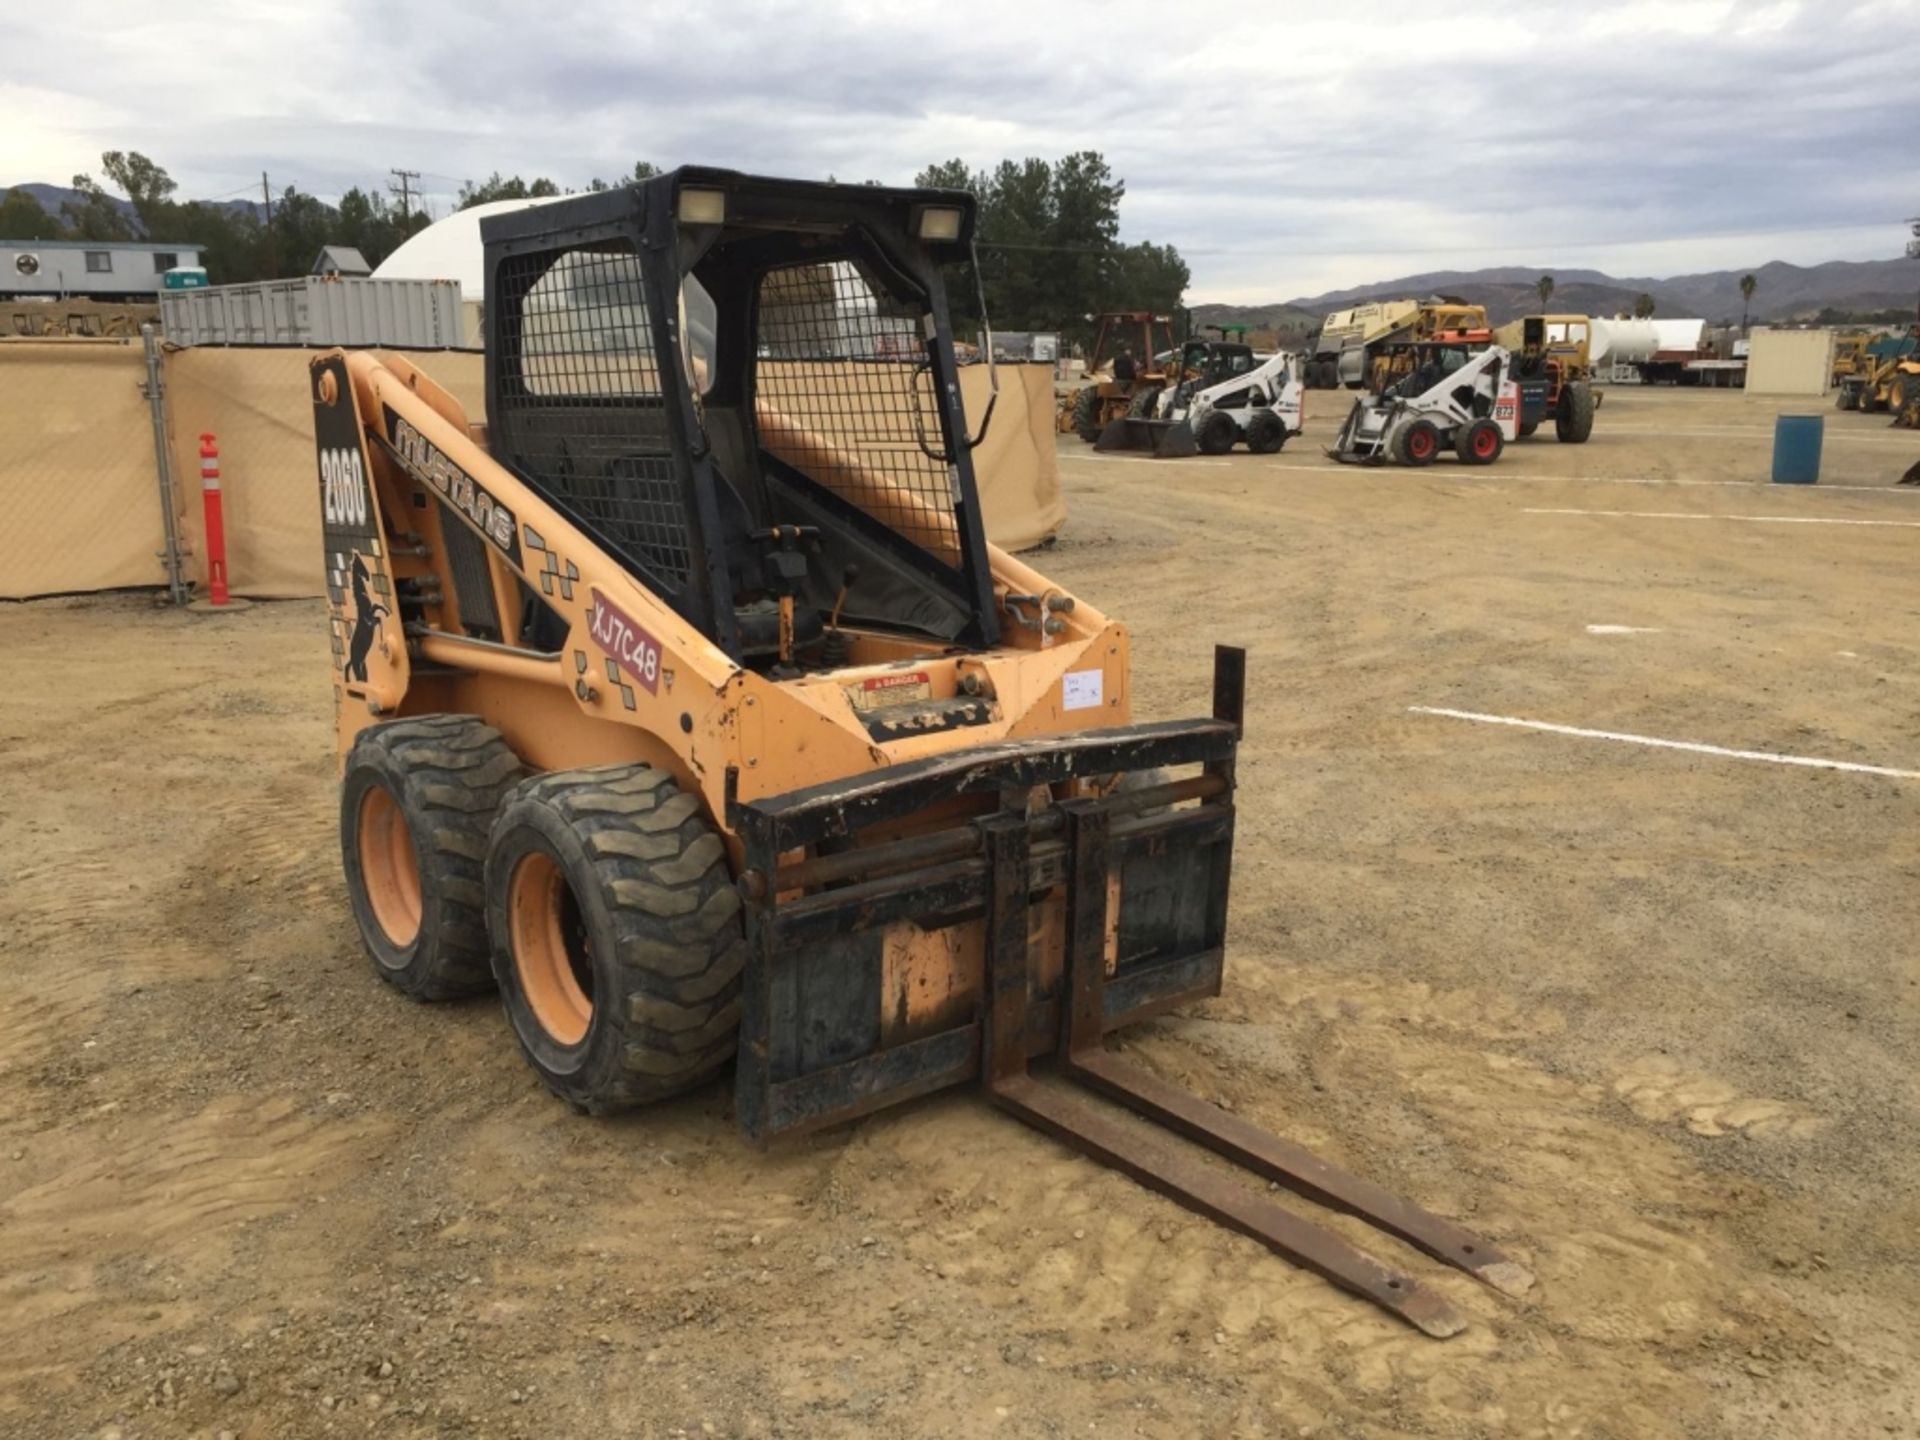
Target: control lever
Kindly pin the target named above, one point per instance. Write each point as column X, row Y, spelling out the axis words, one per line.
column 786, row 572
column 836, row 648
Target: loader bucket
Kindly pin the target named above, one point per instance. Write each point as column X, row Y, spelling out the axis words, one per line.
column 892, row 953
column 1162, row 439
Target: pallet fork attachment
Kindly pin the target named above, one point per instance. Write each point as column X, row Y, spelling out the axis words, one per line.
column 1148, row 1158
column 812, row 927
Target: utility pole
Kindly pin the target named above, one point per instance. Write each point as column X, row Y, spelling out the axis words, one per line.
column 405, row 191
column 1913, row 252
column 266, row 198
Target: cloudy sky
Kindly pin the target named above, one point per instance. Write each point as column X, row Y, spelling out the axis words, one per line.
column 1286, row 148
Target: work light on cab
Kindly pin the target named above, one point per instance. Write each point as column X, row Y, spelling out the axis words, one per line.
column 703, row 207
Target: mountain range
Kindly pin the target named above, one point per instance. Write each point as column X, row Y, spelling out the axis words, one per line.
column 1783, row 292
column 52, row 197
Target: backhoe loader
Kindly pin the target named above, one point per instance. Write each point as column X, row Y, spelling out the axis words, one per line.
column 1120, row 378
column 685, row 703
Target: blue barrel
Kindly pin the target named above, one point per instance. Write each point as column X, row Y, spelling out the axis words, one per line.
column 1796, row 449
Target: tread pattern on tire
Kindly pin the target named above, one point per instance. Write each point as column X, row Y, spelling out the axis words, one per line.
column 457, row 772
column 1086, row 413
column 1266, row 433
column 1574, row 422
column 1217, row 435
column 681, row 946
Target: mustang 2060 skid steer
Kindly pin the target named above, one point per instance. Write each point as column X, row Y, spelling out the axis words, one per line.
column 686, row 702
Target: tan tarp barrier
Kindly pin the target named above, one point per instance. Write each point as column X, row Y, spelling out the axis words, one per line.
column 254, row 403
column 1017, row 465
column 78, row 466
column 76, row 469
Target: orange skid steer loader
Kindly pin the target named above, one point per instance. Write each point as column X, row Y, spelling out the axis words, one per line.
column 686, row 703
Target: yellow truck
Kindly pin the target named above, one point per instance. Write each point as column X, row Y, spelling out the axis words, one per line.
column 1348, row 350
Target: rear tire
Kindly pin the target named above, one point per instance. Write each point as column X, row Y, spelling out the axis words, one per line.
column 416, row 807
column 1417, row 444
column 1480, row 443
column 617, row 935
column 1086, row 413
column 1527, row 427
column 1266, row 433
column 1140, row 407
column 1217, row 433
column 1904, row 394
column 1574, row 422
column 1846, row 399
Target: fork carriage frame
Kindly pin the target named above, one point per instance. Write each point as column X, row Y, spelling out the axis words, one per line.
column 813, row 980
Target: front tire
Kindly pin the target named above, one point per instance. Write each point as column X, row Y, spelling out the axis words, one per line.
column 1266, row 433
column 416, row 807
column 1218, row 432
column 617, row 936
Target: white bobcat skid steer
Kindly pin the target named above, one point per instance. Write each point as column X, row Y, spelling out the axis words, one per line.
column 1261, row 407
column 1455, row 399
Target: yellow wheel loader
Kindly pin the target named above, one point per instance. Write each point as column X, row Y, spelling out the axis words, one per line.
column 686, row 703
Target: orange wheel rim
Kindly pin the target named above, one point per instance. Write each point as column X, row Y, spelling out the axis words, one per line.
column 550, row 952
column 389, row 867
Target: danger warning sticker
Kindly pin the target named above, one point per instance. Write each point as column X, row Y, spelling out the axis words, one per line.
column 876, row 692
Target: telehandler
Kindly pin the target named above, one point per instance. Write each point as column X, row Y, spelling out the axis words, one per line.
column 1553, row 366
column 686, row 703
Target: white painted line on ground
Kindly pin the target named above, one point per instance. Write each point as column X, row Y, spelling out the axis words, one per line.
column 1831, row 435
column 1462, row 474
column 1139, row 460
column 1623, row 630
column 1756, row 519
column 1771, row 757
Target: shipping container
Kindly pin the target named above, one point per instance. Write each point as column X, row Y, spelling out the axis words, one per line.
column 318, row 310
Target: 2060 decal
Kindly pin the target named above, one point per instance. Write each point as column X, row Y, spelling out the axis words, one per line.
column 343, row 487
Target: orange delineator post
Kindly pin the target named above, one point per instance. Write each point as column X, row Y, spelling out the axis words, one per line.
column 216, row 521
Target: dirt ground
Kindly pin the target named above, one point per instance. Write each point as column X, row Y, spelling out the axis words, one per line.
column 1645, row 1017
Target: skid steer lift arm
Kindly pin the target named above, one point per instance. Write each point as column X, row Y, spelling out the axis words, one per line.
column 809, row 915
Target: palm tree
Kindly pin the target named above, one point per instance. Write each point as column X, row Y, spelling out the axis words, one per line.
column 1545, row 286
column 1643, row 306
column 1747, row 286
